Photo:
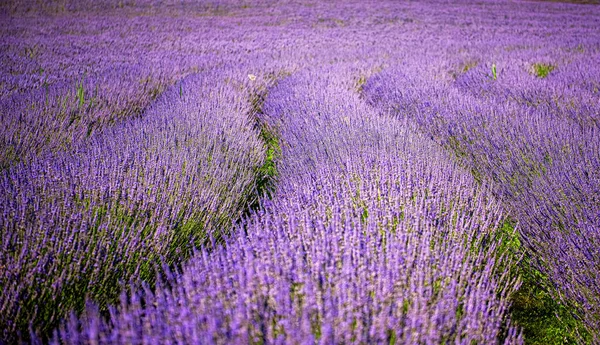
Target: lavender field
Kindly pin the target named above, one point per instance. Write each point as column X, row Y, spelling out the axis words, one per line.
column 299, row 172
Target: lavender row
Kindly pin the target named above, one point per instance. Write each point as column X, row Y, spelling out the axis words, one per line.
column 76, row 76
column 373, row 236
column 64, row 78
column 80, row 224
column 60, row 117
column 536, row 139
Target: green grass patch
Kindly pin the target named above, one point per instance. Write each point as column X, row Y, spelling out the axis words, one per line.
column 267, row 173
column 542, row 70
column 543, row 319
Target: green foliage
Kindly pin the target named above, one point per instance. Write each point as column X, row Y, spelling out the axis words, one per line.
column 543, row 319
column 494, row 74
column 186, row 237
column 267, row 173
column 80, row 94
column 391, row 335
column 542, row 69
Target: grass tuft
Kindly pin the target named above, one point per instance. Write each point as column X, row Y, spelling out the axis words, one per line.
column 542, row 69
column 80, row 93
